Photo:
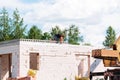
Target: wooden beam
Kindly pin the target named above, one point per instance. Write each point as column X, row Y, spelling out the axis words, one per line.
column 97, row 74
column 102, row 53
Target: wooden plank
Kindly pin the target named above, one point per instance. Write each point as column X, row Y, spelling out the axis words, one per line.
column 22, row 78
column 102, row 53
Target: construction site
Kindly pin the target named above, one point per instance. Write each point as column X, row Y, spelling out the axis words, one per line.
column 56, row 61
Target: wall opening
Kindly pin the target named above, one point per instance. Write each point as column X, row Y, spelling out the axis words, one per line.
column 5, row 66
column 34, row 61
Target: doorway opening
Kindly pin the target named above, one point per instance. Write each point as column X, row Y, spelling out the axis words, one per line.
column 34, row 61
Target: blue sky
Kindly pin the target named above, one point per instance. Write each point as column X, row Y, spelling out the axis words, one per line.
column 29, row 1
column 92, row 17
column 36, row 1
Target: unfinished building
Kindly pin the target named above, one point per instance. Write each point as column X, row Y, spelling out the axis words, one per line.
column 53, row 61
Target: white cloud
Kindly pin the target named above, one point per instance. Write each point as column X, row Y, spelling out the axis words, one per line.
column 92, row 16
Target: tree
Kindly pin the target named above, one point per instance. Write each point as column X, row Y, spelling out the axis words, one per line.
column 18, row 28
column 34, row 33
column 46, row 36
column 56, row 33
column 110, row 37
column 5, row 29
column 73, row 35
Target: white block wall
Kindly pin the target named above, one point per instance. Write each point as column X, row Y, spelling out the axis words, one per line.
column 14, row 50
column 57, row 61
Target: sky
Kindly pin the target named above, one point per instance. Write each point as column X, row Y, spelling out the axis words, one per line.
column 93, row 17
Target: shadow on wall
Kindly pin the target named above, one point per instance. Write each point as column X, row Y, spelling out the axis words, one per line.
column 94, row 65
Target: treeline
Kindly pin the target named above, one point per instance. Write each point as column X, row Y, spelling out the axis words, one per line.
column 13, row 27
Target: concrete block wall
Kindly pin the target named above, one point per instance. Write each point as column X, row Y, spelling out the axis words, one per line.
column 53, row 68
column 57, row 61
column 14, row 51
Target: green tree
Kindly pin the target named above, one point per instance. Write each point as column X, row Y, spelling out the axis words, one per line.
column 5, row 29
column 18, row 28
column 64, row 33
column 46, row 36
column 34, row 33
column 110, row 37
column 74, row 35
column 55, row 30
